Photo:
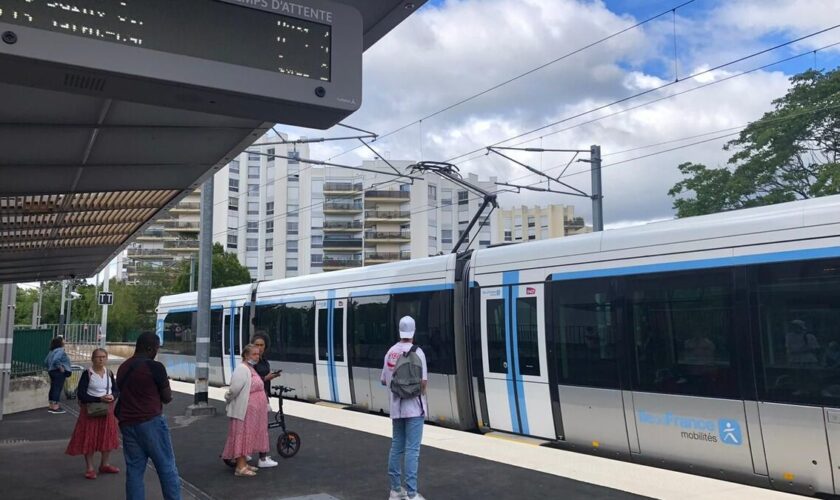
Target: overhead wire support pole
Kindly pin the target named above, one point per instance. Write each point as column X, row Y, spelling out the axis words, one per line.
column 368, row 135
column 542, row 190
column 449, row 171
column 328, row 164
column 492, row 149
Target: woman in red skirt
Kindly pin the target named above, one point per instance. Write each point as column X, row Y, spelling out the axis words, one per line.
column 96, row 433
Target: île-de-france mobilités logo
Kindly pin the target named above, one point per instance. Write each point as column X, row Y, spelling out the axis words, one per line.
column 729, row 431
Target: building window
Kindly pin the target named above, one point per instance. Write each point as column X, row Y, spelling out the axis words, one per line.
column 291, row 264
column 233, row 204
column 269, row 226
column 292, row 227
column 269, row 244
column 233, row 185
column 253, row 227
column 270, row 151
column 446, row 236
column 446, row 197
column 253, row 172
column 269, row 208
column 251, row 244
column 508, row 236
column 317, row 241
column 253, row 208
column 463, row 197
column 253, row 156
column 531, row 221
column 231, row 241
column 317, row 222
column 405, row 188
column 234, row 166
column 317, row 259
column 269, row 266
column 292, row 209
column 432, row 193
column 291, row 245
column 253, row 189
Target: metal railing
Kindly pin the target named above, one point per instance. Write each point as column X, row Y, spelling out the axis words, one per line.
column 402, row 195
column 176, row 224
column 342, row 186
column 186, row 206
column 343, row 243
column 342, row 263
column 387, row 256
column 387, row 214
column 387, row 235
column 335, row 205
column 79, row 339
column 188, row 244
column 29, row 348
column 149, row 252
column 576, row 222
column 343, row 225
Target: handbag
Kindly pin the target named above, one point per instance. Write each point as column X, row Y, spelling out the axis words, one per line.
column 99, row 409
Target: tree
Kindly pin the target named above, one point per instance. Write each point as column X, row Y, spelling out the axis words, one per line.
column 227, row 271
column 791, row 153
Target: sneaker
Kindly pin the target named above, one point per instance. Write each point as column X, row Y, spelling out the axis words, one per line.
column 397, row 494
column 57, row 411
column 417, row 496
column 266, row 462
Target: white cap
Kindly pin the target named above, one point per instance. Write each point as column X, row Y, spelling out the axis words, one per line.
column 406, row 327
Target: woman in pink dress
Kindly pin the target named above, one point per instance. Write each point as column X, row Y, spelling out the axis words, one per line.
column 247, row 407
column 96, row 434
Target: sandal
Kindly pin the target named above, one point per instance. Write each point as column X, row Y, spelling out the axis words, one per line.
column 109, row 469
column 91, row 474
column 252, row 468
column 245, row 471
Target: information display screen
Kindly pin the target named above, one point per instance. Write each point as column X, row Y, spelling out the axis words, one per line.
column 206, row 29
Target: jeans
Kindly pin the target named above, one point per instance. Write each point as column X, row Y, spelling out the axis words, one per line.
column 57, row 378
column 407, row 434
column 141, row 442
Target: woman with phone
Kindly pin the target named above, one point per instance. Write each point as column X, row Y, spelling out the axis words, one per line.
column 263, row 369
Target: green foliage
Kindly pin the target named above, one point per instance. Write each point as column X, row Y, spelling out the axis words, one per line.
column 790, row 153
column 227, row 271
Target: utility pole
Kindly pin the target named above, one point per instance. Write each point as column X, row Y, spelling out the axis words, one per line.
column 103, row 328
column 597, row 197
column 200, row 404
column 192, row 273
column 40, row 302
column 7, row 327
column 61, row 313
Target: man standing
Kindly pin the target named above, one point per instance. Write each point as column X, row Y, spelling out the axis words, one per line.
column 144, row 388
column 406, row 376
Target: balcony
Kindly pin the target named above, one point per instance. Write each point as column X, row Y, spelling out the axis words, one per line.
column 387, row 236
column 334, row 264
column 151, row 234
column 337, row 207
column 342, row 244
column 392, row 196
column 575, row 223
column 181, row 245
column 149, row 253
column 382, row 257
column 174, row 225
column 338, row 227
column 342, row 187
column 185, row 207
column 387, row 216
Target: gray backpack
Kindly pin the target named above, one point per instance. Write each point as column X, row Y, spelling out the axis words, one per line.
column 408, row 375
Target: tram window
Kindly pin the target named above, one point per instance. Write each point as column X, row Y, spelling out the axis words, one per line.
column 682, row 324
column 433, row 323
column 179, row 333
column 587, row 338
column 215, row 333
column 322, row 334
column 338, row 334
column 296, row 335
column 372, row 333
column 527, row 336
column 798, row 317
column 237, row 341
column 267, row 321
column 496, row 347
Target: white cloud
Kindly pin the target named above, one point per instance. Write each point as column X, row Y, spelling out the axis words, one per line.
column 441, row 55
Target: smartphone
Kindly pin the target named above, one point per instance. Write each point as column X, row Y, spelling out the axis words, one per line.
column 277, row 372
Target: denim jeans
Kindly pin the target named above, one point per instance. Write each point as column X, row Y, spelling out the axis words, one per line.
column 144, row 441
column 57, row 378
column 407, row 434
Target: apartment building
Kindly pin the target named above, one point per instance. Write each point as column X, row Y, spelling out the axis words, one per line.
column 166, row 242
column 536, row 223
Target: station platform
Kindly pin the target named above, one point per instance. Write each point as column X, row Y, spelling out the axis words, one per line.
column 343, row 456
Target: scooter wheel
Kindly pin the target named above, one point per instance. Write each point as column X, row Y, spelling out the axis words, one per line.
column 288, row 444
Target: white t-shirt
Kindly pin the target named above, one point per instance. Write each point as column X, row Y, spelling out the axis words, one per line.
column 99, row 385
column 403, row 408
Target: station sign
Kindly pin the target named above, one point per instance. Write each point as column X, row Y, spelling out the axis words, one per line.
column 106, row 298
column 293, row 62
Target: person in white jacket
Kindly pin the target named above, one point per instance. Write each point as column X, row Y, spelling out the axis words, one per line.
column 247, row 407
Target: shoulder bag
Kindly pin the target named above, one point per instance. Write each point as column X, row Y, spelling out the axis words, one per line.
column 99, row 409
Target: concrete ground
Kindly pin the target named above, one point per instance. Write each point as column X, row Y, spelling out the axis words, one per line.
column 334, row 462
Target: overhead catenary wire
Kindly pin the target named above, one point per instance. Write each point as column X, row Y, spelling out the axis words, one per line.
column 522, row 75
column 647, row 91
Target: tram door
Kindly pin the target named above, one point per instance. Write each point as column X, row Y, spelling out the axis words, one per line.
column 330, row 349
column 514, row 360
column 231, row 341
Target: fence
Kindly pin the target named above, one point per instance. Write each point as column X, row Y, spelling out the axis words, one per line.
column 79, row 339
column 29, row 348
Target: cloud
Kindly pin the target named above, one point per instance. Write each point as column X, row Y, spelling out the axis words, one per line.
column 449, row 51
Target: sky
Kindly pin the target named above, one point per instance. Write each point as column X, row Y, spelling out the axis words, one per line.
column 450, row 50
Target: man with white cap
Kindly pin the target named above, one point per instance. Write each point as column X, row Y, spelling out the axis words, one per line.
column 406, row 375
